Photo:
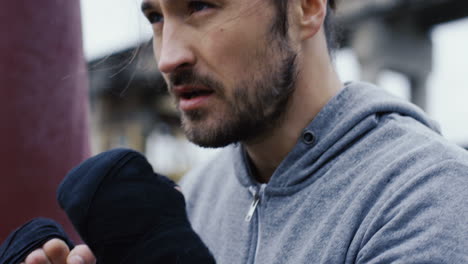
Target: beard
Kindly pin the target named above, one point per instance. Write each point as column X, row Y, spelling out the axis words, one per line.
column 256, row 105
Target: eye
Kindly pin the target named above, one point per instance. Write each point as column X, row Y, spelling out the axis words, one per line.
column 197, row 6
column 154, row 17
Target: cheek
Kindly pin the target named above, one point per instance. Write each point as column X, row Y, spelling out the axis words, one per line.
column 233, row 53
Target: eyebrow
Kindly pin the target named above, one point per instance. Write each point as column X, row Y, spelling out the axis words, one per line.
column 145, row 6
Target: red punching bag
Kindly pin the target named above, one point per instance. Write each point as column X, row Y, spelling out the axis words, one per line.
column 43, row 107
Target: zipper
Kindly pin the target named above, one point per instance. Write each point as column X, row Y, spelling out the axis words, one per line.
column 256, row 199
column 258, row 194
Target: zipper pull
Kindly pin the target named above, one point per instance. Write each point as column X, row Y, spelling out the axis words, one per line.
column 252, row 208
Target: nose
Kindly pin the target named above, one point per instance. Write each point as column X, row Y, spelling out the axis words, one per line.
column 175, row 50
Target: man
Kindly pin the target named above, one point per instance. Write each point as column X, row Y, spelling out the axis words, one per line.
column 321, row 173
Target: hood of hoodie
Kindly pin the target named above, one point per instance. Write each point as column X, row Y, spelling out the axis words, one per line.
column 353, row 112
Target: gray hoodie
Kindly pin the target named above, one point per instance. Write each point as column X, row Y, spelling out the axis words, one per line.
column 370, row 181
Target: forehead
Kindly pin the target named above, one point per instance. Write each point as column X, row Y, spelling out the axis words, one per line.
column 149, row 4
column 157, row 3
column 229, row 10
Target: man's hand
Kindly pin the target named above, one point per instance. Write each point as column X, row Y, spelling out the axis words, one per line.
column 55, row 251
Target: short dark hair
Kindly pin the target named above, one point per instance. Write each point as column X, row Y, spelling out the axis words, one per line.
column 280, row 25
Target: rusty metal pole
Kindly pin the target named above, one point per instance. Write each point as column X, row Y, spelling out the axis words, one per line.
column 43, row 106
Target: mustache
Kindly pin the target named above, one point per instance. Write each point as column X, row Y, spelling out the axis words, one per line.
column 190, row 77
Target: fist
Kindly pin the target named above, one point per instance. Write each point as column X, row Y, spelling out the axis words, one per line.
column 55, row 251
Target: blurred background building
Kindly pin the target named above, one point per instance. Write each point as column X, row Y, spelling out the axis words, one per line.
column 398, row 44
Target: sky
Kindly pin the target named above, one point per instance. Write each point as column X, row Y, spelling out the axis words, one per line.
column 110, row 25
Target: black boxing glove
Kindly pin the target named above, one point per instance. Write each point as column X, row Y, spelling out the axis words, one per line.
column 128, row 214
column 29, row 237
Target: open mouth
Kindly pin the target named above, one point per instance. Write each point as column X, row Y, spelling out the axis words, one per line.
column 193, row 97
column 187, row 95
column 191, row 92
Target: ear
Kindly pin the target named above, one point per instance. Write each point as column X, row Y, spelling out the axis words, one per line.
column 311, row 16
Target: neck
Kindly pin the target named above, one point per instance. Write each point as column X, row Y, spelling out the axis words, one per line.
column 316, row 85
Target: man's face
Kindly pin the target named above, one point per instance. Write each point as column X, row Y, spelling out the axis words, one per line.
column 229, row 73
